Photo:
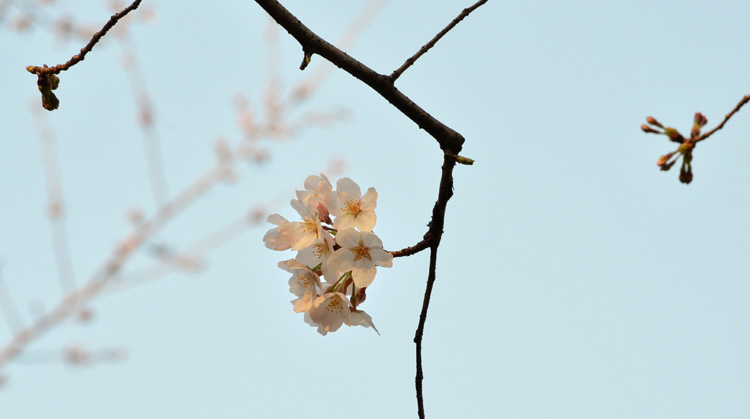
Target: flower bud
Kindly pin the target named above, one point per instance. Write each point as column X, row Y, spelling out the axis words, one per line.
column 674, row 135
column 698, row 122
column 663, row 159
column 686, row 176
column 699, row 119
column 652, row 121
column 323, row 213
column 648, row 129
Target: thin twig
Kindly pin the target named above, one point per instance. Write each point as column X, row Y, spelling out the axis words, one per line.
column 85, row 50
column 726, row 118
column 426, row 47
column 408, row 251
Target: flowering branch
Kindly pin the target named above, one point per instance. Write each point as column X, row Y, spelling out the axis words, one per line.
column 449, row 141
column 47, row 79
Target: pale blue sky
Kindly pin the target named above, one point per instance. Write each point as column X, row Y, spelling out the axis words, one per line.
column 574, row 280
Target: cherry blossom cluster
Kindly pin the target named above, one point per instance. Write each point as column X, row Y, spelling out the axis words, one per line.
column 336, row 259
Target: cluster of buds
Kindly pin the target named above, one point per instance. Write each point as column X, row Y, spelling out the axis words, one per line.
column 337, row 258
column 685, row 148
column 46, row 83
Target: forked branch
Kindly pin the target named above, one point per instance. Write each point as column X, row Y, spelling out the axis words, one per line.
column 449, row 140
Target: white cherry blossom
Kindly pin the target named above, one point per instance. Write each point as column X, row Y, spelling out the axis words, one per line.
column 330, row 311
column 304, row 283
column 318, row 254
column 300, row 235
column 272, row 239
column 360, row 253
column 352, row 210
column 317, row 189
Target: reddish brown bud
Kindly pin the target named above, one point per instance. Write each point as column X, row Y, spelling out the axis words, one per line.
column 652, row 121
column 648, row 129
column 663, row 159
column 686, row 176
column 699, row 119
column 674, row 135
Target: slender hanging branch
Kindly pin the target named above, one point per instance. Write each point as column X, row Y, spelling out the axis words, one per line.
column 426, row 47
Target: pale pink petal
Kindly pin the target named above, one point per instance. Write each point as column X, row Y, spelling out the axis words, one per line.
column 360, row 318
column 348, row 188
column 381, row 258
column 298, row 235
column 273, row 240
column 304, row 303
column 366, row 220
column 363, row 277
column 348, row 237
column 302, row 210
column 370, row 240
column 276, row 219
column 341, row 261
column 370, row 200
column 345, row 220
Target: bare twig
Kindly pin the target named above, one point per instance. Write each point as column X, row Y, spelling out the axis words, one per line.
column 85, row 50
column 311, row 43
column 726, row 118
column 408, row 251
column 426, row 47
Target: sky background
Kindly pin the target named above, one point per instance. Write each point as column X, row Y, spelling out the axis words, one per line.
column 575, row 280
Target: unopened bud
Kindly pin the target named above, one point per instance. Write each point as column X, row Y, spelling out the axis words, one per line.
column 648, row 129
column 323, row 214
column 686, row 176
column 663, row 159
column 699, row 119
column 674, row 135
column 54, row 81
column 652, row 121
column 464, row 160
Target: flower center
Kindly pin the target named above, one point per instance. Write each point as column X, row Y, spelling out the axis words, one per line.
column 360, row 252
column 334, row 306
column 352, row 206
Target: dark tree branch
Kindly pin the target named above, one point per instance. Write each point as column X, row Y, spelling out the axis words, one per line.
column 426, row 47
column 312, row 44
column 449, row 140
column 408, row 251
column 726, row 118
column 85, row 50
